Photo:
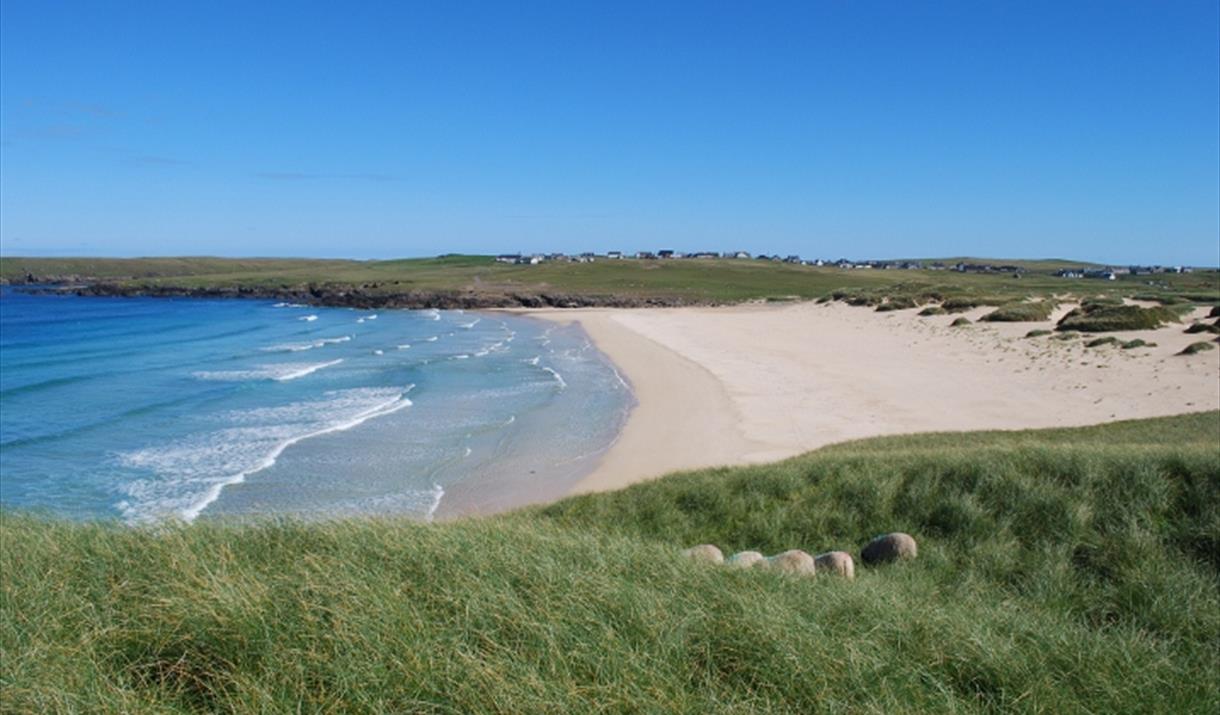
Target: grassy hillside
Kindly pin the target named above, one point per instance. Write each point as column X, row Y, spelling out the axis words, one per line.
column 1059, row 571
column 673, row 281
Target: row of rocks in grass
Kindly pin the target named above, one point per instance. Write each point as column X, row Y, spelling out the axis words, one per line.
column 883, row 549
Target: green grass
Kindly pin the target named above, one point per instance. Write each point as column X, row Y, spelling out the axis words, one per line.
column 1034, row 312
column 932, row 310
column 1073, row 570
column 1105, row 317
column 1099, row 342
column 1195, row 348
column 1202, row 328
column 664, row 281
column 960, row 322
column 1137, row 343
column 1037, row 333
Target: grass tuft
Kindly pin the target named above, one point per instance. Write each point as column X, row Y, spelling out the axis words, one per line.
column 1198, row 347
column 1196, row 328
column 1093, row 317
column 1025, row 312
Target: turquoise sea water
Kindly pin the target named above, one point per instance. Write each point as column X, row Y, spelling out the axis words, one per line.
column 146, row 409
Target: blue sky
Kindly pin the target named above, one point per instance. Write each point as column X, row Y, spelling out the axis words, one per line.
column 864, row 129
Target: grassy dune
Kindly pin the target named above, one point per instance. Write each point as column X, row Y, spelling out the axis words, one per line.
column 1059, row 571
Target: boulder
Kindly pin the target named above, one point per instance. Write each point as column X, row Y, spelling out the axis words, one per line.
column 794, row 562
column 705, row 552
column 745, row 559
column 889, row 547
column 839, row 563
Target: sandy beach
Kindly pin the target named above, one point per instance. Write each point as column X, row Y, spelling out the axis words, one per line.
column 757, row 383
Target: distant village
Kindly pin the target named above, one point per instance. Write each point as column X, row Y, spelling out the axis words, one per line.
column 1107, row 273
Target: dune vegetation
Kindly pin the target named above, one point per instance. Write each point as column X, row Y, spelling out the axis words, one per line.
column 1093, row 317
column 1072, row 570
column 1195, row 348
column 1021, row 312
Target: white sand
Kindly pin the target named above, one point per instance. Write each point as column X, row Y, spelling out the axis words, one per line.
column 724, row 386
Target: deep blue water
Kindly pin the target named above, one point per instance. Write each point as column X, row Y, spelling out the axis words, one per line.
column 145, row 409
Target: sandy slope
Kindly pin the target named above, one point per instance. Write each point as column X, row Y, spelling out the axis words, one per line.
column 720, row 386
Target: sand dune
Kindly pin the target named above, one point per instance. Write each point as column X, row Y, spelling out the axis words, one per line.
column 722, row 386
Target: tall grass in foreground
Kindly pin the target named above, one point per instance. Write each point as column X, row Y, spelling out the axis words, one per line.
column 1059, row 571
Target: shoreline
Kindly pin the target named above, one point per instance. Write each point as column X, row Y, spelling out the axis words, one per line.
column 746, row 384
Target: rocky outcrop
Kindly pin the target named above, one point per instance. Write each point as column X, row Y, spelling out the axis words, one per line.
column 705, row 552
column 745, row 559
column 838, row 563
column 889, row 547
column 794, row 561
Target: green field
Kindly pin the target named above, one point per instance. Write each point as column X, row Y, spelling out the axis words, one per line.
column 1059, row 571
column 604, row 282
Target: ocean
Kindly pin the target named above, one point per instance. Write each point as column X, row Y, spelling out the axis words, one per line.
column 146, row 409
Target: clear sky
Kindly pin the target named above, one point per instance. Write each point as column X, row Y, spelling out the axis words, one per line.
column 825, row 127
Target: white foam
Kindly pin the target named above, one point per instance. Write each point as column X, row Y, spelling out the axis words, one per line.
column 290, row 305
column 534, row 360
column 371, row 317
column 432, row 314
column 558, row 378
column 301, row 347
column 404, row 346
column 432, row 339
column 191, row 474
column 308, row 318
column 280, row 372
column 461, row 357
column 471, row 324
column 438, row 493
column 307, row 370
column 379, row 352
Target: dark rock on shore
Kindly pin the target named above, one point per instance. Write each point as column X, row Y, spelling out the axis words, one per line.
column 375, row 296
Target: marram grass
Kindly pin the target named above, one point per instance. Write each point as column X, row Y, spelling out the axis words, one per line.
column 1059, row 571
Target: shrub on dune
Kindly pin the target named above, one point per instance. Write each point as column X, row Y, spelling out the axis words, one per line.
column 1021, row 312
column 1138, row 343
column 933, row 310
column 1098, row 342
column 1194, row 348
column 960, row 322
column 1202, row 328
column 897, row 303
column 1037, row 333
column 1101, row 318
column 962, row 303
